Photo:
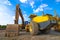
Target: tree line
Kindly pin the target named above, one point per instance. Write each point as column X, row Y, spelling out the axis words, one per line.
column 2, row 27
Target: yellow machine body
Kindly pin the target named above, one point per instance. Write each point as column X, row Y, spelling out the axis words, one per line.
column 39, row 19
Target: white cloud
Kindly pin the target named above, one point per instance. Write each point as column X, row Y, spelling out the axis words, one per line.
column 28, row 2
column 40, row 8
column 57, row 0
column 43, row 5
column 32, row 4
column 23, row 1
column 14, row 17
column 5, row 17
column 7, row 2
column 5, row 13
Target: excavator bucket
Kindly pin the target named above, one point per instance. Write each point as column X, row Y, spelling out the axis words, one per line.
column 12, row 30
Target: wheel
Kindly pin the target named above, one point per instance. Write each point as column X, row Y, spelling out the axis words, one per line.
column 33, row 28
column 27, row 28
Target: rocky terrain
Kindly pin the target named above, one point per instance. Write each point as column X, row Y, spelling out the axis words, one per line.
column 26, row 36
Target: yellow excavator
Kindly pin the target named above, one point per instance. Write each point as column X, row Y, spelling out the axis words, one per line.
column 13, row 29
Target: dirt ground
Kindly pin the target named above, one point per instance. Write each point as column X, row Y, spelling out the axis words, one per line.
column 26, row 36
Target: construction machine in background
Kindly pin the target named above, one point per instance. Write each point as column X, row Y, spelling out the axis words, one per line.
column 57, row 26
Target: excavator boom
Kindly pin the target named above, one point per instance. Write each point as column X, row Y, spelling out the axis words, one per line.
column 19, row 13
column 16, row 15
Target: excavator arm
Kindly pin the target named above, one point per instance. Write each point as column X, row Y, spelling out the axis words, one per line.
column 16, row 15
column 19, row 13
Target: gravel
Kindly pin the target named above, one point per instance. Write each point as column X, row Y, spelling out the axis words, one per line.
column 26, row 36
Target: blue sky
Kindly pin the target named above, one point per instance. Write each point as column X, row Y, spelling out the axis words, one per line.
column 7, row 9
